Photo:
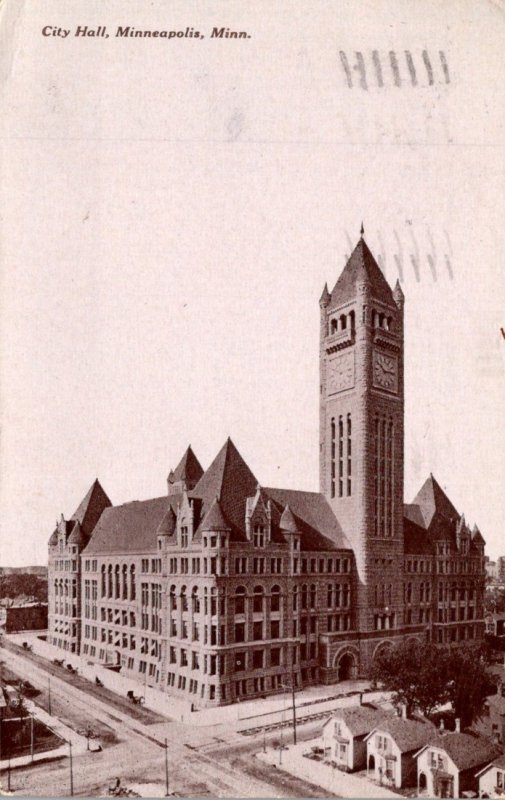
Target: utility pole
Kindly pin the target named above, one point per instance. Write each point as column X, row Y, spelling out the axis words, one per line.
column 166, row 768
column 31, row 738
column 293, row 698
column 71, row 770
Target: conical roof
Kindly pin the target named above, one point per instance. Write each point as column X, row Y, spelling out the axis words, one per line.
column 77, row 536
column 214, row 519
column 188, row 470
column 431, row 499
column 230, row 479
column 168, row 523
column 288, row 522
column 361, row 267
column 53, row 539
column 91, row 507
column 477, row 535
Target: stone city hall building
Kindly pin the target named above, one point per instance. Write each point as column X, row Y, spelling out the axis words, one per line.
column 225, row 589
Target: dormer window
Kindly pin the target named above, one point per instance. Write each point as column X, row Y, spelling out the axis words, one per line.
column 259, row 535
column 213, row 541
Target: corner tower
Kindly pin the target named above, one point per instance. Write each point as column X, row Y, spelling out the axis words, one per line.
column 361, row 430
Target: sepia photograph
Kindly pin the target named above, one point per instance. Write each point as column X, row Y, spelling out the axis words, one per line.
column 252, row 366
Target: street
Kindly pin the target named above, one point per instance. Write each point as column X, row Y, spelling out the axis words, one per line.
column 214, row 761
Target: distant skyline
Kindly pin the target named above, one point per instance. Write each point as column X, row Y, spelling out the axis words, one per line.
column 171, row 214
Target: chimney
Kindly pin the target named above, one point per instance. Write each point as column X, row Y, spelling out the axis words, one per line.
column 457, row 726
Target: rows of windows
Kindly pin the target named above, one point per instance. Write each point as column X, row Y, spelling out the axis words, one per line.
column 215, row 565
column 150, row 565
column 418, row 565
column 66, row 565
column 90, row 565
column 118, row 582
column 383, row 476
column 341, row 456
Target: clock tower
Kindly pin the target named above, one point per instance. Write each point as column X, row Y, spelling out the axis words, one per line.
column 361, row 431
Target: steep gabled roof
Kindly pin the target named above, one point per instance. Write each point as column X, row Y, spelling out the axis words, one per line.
column 130, row 528
column 496, row 762
column 318, row 526
column 230, row 479
column 361, row 267
column 431, row 498
column 466, row 750
column 287, row 522
column 416, row 539
column 91, row 507
column 188, row 469
column 477, row 535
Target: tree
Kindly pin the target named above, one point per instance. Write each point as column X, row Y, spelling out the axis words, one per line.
column 415, row 672
column 423, row 676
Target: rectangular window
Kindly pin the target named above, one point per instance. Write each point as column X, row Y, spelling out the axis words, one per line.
column 275, row 656
column 258, row 659
column 258, row 630
column 240, row 632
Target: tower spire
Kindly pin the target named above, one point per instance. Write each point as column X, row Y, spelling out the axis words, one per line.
column 362, row 230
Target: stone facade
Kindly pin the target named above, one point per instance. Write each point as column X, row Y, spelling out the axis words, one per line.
column 224, row 589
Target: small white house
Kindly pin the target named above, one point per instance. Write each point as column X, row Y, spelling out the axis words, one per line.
column 391, row 747
column 344, row 735
column 448, row 764
column 492, row 778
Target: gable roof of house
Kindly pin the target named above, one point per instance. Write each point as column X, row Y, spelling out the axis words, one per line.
column 466, row 750
column 408, row 734
column 361, row 720
column 361, row 267
column 318, row 526
column 499, row 762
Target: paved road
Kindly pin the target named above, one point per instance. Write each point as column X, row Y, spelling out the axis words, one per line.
column 198, row 761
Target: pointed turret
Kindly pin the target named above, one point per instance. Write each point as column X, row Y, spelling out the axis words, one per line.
column 361, row 269
column 230, row 479
column 398, row 295
column 53, row 539
column 431, row 498
column 77, row 536
column 186, row 474
column 214, row 519
column 288, row 523
column 325, row 297
column 91, row 508
column 477, row 536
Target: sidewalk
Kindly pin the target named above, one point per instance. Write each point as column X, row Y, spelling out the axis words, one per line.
column 341, row 784
column 79, row 743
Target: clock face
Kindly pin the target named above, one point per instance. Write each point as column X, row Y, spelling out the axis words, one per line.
column 385, row 371
column 340, row 374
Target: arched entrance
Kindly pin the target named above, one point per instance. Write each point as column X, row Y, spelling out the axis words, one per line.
column 423, row 782
column 371, row 764
column 381, row 648
column 347, row 667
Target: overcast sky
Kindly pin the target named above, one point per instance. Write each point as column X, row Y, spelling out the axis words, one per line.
column 171, row 209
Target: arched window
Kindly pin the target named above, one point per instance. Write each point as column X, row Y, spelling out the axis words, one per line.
column 313, row 596
column 173, row 598
column 66, row 587
column 258, row 599
column 56, row 588
column 352, row 321
column 184, row 599
column 117, row 592
column 125, row 582
column 343, row 322
column 109, row 580
column 349, row 455
column 333, row 453
column 104, row 581
column 295, row 598
column 381, row 320
column 195, row 600
column 334, row 325
column 304, row 596
column 240, row 600
column 132, row 583
column 275, row 599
